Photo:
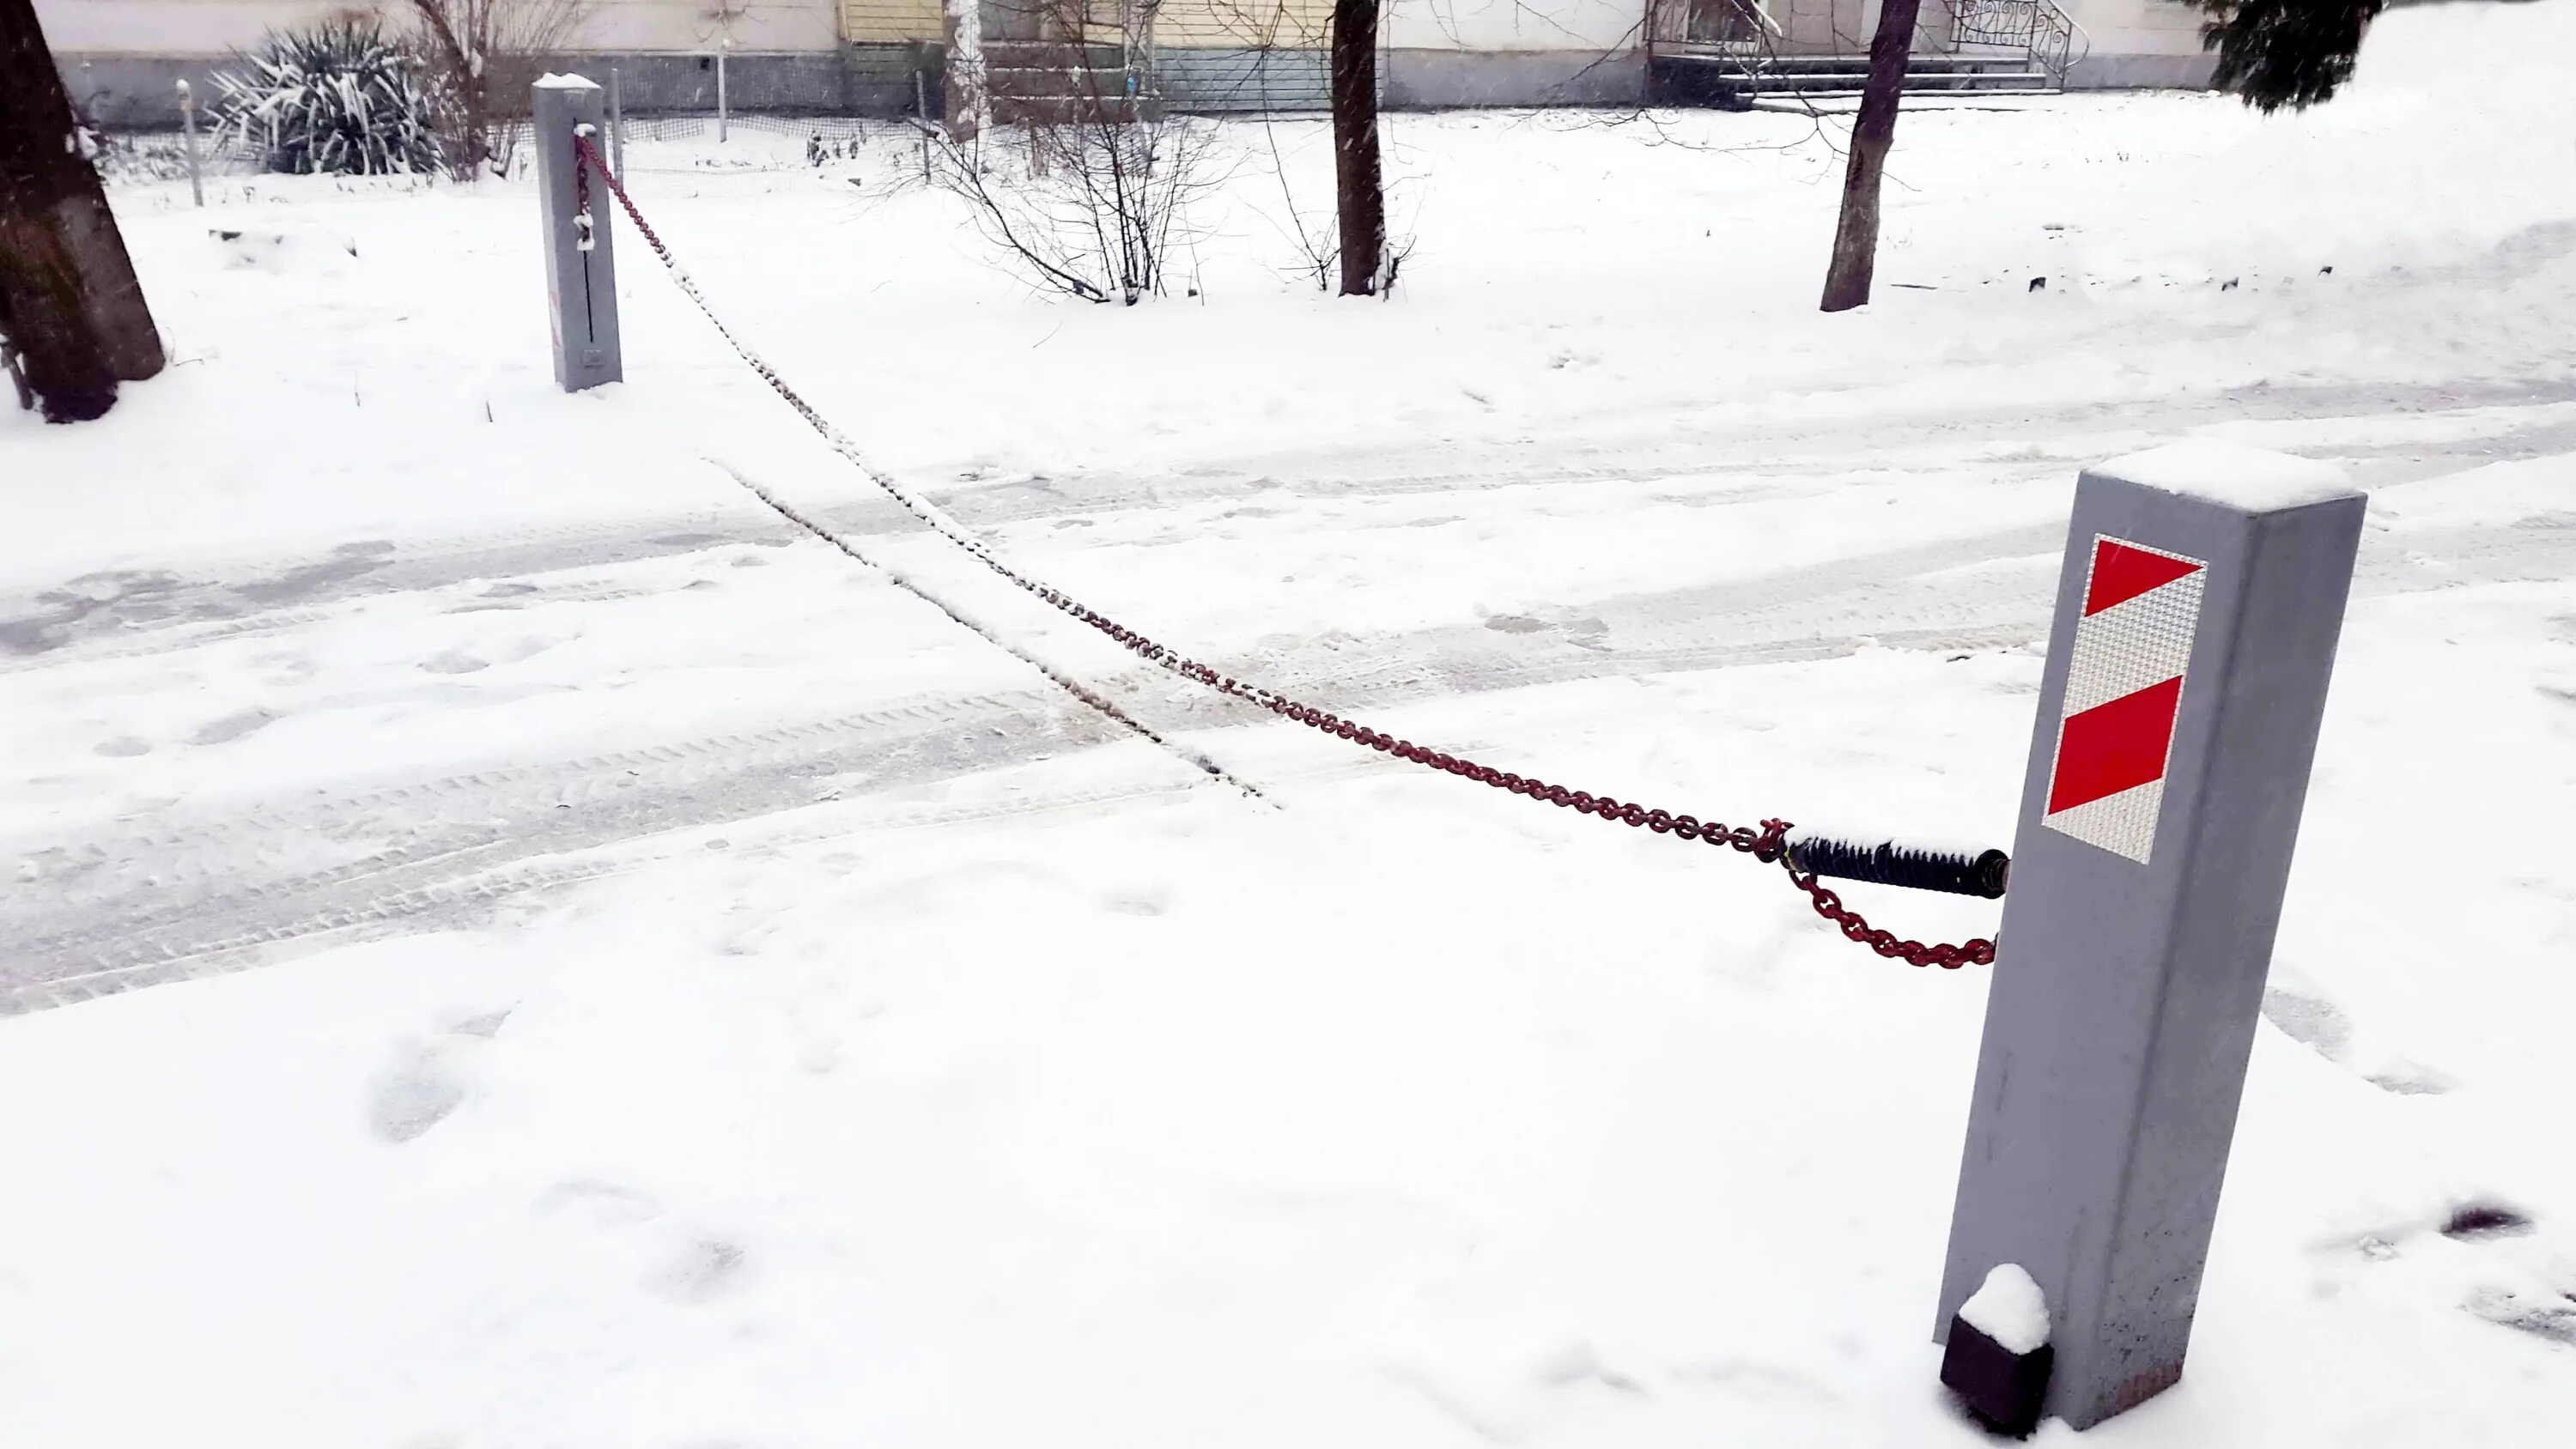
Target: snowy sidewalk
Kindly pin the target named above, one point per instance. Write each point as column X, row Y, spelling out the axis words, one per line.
column 577, row 964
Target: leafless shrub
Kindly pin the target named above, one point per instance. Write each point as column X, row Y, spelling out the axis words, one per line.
column 1319, row 247
column 1078, row 175
column 486, row 53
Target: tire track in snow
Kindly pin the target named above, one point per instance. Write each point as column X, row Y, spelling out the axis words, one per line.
column 121, row 901
column 127, row 613
column 131, row 907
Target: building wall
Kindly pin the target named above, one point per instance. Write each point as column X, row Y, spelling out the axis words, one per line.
column 891, row 22
column 2131, row 44
column 769, row 27
column 1238, row 24
column 219, row 27
column 169, row 27
column 1585, row 52
column 120, row 56
column 1505, row 27
column 1514, row 27
column 2140, row 27
column 1452, row 53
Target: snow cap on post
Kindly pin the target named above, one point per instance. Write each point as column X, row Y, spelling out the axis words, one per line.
column 2252, row 480
column 2198, row 609
column 2009, row 1308
column 1998, row 1359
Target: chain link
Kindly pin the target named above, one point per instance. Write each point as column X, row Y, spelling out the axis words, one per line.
column 1768, row 844
column 585, row 228
column 1949, row 957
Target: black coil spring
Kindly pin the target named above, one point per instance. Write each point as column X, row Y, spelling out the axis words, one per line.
column 1888, row 863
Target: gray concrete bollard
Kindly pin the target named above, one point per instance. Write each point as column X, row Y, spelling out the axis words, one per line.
column 188, row 132
column 616, row 126
column 2202, row 595
column 581, row 265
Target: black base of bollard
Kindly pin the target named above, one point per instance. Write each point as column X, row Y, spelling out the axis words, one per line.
column 2001, row 1388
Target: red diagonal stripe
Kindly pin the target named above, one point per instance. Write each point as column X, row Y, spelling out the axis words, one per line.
column 2121, row 573
column 2117, row 745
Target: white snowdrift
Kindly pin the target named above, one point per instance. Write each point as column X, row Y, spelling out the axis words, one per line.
column 1076, row 1102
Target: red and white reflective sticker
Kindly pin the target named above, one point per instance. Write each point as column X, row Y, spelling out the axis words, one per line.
column 2123, row 690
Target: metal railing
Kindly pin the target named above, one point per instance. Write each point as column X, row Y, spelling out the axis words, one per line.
column 2044, row 33
column 1709, row 24
column 2037, row 28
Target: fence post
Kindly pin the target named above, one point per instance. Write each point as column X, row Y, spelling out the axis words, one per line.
column 724, row 48
column 188, row 125
column 2197, row 613
column 616, row 127
column 581, row 267
column 921, row 119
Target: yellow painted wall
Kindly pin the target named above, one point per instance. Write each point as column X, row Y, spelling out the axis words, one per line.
column 883, row 22
column 1295, row 24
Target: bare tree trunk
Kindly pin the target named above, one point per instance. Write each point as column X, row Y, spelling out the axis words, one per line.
column 69, row 304
column 963, row 31
column 1359, row 192
column 1856, row 235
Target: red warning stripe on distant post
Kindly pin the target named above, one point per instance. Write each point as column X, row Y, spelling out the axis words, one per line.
column 2124, row 688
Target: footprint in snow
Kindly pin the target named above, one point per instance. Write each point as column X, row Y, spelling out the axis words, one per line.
column 427, row 1081
column 596, row 1204
column 2524, row 1312
column 700, row 1271
column 413, row 1096
column 2322, row 1027
column 231, row 727
column 2542, row 1304
column 1138, row 901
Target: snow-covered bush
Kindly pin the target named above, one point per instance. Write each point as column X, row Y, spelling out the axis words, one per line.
column 341, row 97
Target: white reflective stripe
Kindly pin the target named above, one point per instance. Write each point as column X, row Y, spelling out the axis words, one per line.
column 2123, row 824
column 2136, row 642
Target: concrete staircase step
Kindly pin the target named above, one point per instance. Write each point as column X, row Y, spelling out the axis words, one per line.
column 1057, row 84
column 1070, row 110
column 1914, row 81
column 1052, row 54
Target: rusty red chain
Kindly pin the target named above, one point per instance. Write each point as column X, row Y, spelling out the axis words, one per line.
column 1949, row 957
column 1768, row 844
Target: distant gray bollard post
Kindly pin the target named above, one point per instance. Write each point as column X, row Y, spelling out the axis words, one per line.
column 581, row 266
column 188, row 131
column 616, row 127
column 2197, row 613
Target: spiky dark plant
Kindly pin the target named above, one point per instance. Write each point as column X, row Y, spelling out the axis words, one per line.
column 341, row 97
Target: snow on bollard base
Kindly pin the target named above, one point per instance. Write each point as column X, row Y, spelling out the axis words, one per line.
column 1998, row 1357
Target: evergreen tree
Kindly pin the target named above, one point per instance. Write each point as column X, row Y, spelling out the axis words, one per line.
column 2294, row 53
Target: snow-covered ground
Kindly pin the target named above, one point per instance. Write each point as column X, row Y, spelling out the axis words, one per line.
column 704, row 996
